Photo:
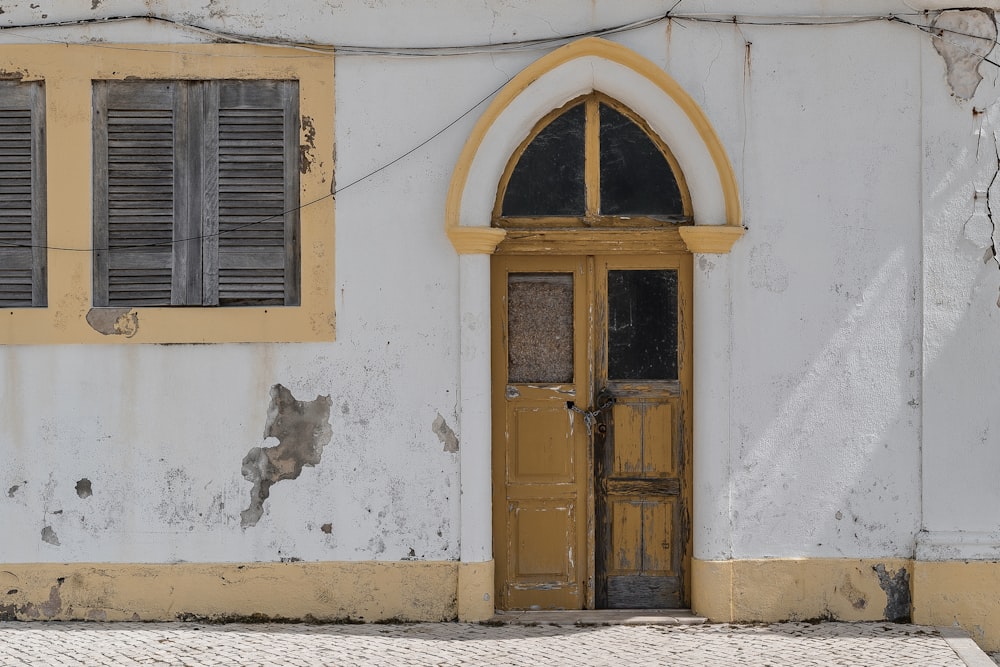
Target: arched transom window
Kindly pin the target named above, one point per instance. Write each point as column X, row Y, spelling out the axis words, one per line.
column 592, row 163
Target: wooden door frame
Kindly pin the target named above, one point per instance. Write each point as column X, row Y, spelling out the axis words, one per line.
column 578, row 68
column 500, row 514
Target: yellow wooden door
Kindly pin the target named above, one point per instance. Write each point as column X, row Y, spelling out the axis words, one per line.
column 541, row 457
column 591, row 383
column 643, row 347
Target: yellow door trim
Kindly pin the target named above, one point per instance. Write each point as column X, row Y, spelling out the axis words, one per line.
column 470, row 239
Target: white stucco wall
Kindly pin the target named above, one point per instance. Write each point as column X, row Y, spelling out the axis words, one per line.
column 826, row 297
column 862, row 405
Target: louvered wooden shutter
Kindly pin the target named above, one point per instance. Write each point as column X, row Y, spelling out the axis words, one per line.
column 22, row 195
column 196, row 193
column 253, row 259
column 134, row 210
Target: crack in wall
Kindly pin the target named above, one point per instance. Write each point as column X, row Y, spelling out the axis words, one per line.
column 302, row 429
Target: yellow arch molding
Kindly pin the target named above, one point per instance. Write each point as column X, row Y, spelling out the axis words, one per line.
column 701, row 238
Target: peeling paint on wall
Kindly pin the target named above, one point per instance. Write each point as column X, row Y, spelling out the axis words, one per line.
column 114, row 321
column 445, row 434
column 896, row 585
column 964, row 37
column 308, row 149
column 83, row 488
column 302, row 429
column 49, row 536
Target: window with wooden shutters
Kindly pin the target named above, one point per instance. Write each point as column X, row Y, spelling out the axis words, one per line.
column 196, row 193
column 22, row 195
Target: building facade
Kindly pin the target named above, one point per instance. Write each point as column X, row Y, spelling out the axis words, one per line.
column 362, row 311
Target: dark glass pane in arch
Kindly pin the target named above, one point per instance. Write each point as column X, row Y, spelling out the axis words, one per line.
column 642, row 324
column 548, row 177
column 635, row 177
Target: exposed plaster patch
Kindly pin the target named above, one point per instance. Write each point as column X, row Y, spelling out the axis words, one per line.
column 445, row 434
column 49, row 536
column 83, row 488
column 964, row 37
column 113, row 321
column 307, row 150
column 302, row 429
column 897, row 592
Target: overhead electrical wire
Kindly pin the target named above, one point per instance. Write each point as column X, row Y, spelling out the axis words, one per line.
column 332, row 195
column 466, row 49
column 499, row 47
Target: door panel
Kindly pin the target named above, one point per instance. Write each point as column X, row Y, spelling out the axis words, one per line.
column 591, row 516
column 641, row 513
column 540, row 498
column 543, row 449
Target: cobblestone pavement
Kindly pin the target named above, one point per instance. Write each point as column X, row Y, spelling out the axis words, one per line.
column 195, row 644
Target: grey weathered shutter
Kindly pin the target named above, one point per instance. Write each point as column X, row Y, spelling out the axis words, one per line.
column 196, row 193
column 253, row 258
column 134, row 192
column 22, row 195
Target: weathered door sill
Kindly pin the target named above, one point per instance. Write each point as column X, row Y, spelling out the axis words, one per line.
column 600, row 617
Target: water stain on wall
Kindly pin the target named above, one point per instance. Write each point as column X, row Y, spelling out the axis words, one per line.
column 302, row 429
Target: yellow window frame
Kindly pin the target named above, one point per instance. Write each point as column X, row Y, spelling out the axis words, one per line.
column 68, row 72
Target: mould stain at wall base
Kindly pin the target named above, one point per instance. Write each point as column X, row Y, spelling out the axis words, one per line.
column 113, row 321
column 897, row 592
column 302, row 429
column 445, row 434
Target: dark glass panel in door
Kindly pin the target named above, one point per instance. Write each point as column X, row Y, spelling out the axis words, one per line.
column 642, row 324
